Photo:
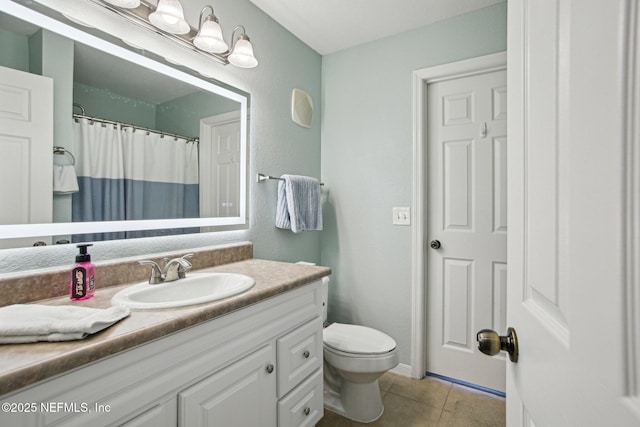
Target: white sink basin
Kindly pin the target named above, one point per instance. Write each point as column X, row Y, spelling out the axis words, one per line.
column 196, row 288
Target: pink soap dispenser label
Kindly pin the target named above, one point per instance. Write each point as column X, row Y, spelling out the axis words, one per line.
column 82, row 285
column 79, row 283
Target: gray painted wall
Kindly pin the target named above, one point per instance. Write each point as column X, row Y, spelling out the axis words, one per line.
column 367, row 163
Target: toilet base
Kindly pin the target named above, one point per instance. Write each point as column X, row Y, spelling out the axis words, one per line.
column 358, row 402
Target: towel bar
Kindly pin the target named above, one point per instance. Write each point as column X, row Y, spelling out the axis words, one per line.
column 262, row 178
column 63, row 151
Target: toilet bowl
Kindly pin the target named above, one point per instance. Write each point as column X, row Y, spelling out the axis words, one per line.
column 354, row 358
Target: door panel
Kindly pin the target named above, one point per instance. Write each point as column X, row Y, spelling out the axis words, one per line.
column 458, row 173
column 219, row 172
column 26, row 135
column 467, row 214
column 573, row 212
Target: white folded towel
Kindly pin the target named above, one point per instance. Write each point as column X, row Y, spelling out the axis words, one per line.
column 24, row 323
column 65, row 180
column 299, row 205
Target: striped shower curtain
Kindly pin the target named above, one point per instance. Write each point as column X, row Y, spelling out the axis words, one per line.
column 127, row 174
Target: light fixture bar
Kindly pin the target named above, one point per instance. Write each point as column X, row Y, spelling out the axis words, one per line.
column 140, row 16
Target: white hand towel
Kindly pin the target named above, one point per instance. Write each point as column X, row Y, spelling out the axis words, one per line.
column 299, row 205
column 65, row 180
column 24, row 323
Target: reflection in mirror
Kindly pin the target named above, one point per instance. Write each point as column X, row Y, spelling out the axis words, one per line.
column 149, row 150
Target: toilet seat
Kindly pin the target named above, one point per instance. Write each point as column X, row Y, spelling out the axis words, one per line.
column 356, row 339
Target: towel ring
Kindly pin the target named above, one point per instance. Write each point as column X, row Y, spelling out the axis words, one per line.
column 62, row 151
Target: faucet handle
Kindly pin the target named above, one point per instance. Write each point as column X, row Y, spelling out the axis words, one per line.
column 185, row 265
column 156, row 273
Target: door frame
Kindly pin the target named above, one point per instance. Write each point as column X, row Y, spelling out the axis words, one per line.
column 421, row 78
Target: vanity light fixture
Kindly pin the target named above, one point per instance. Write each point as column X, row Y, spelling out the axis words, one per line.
column 168, row 17
column 209, row 37
column 242, row 53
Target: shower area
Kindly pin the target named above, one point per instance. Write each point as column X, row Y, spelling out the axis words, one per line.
column 130, row 172
column 147, row 148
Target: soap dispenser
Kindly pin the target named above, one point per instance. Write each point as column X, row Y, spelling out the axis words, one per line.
column 83, row 276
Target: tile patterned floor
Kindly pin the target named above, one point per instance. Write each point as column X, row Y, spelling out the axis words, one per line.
column 429, row 402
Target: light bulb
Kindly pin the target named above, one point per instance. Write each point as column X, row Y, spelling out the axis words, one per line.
column 242, row 54
column 209, row 37
column 169, row 16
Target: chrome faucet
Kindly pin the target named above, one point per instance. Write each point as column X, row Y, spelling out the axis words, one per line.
column 173, row 269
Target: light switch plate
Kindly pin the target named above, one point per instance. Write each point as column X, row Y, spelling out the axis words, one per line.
column 401, row 216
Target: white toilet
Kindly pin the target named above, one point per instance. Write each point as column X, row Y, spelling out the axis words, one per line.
column 354, row 358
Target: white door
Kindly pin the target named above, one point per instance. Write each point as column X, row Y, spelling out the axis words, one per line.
column 574, row 227
column 220, row 165
column 26, row 144
column 466, row 215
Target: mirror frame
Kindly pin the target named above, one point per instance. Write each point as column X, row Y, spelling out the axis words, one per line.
column 11, row 231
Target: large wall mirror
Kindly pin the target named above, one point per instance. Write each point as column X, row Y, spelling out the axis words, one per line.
column 154, row 150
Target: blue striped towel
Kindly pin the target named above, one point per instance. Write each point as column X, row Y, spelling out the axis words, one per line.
column 299, row 206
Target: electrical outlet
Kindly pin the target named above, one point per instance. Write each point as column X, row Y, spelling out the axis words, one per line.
column 401, row 216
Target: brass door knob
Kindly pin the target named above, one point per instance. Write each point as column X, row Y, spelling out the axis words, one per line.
column 489, row 342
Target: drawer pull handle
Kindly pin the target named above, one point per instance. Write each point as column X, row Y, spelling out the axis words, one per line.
column 307, row 410
column 269, row 368
column 306, row 354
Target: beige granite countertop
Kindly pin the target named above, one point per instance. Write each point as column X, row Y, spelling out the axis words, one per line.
column 25, row 364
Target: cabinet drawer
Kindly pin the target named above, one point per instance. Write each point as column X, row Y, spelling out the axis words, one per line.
column 304, row 405
column 299, row 354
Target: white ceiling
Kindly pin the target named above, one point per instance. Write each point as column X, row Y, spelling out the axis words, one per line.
column 328, row 26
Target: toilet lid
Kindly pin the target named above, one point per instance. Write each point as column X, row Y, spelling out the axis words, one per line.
column 357, row 339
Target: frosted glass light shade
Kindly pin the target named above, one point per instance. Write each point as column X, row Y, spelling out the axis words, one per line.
column 77, row 20
column 169, row 16
column 242, row 54
column 209, row 38
column 127, row 4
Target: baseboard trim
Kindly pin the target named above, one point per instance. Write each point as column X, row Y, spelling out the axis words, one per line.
column 402, row 370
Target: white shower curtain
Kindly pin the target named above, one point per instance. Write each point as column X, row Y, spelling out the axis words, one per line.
column 133, row 174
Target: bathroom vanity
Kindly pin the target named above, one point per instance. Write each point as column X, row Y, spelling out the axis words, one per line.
column 251, row 360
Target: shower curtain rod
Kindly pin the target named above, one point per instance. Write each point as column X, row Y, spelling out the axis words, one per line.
column 135, row 127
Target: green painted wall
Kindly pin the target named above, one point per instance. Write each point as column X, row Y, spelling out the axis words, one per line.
column 182, row 115
column 367, row 155
column 13, row 51
column 51, row 55
column 105, row 104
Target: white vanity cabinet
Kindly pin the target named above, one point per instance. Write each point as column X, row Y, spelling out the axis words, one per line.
column 257, row 366
column 239, row 395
